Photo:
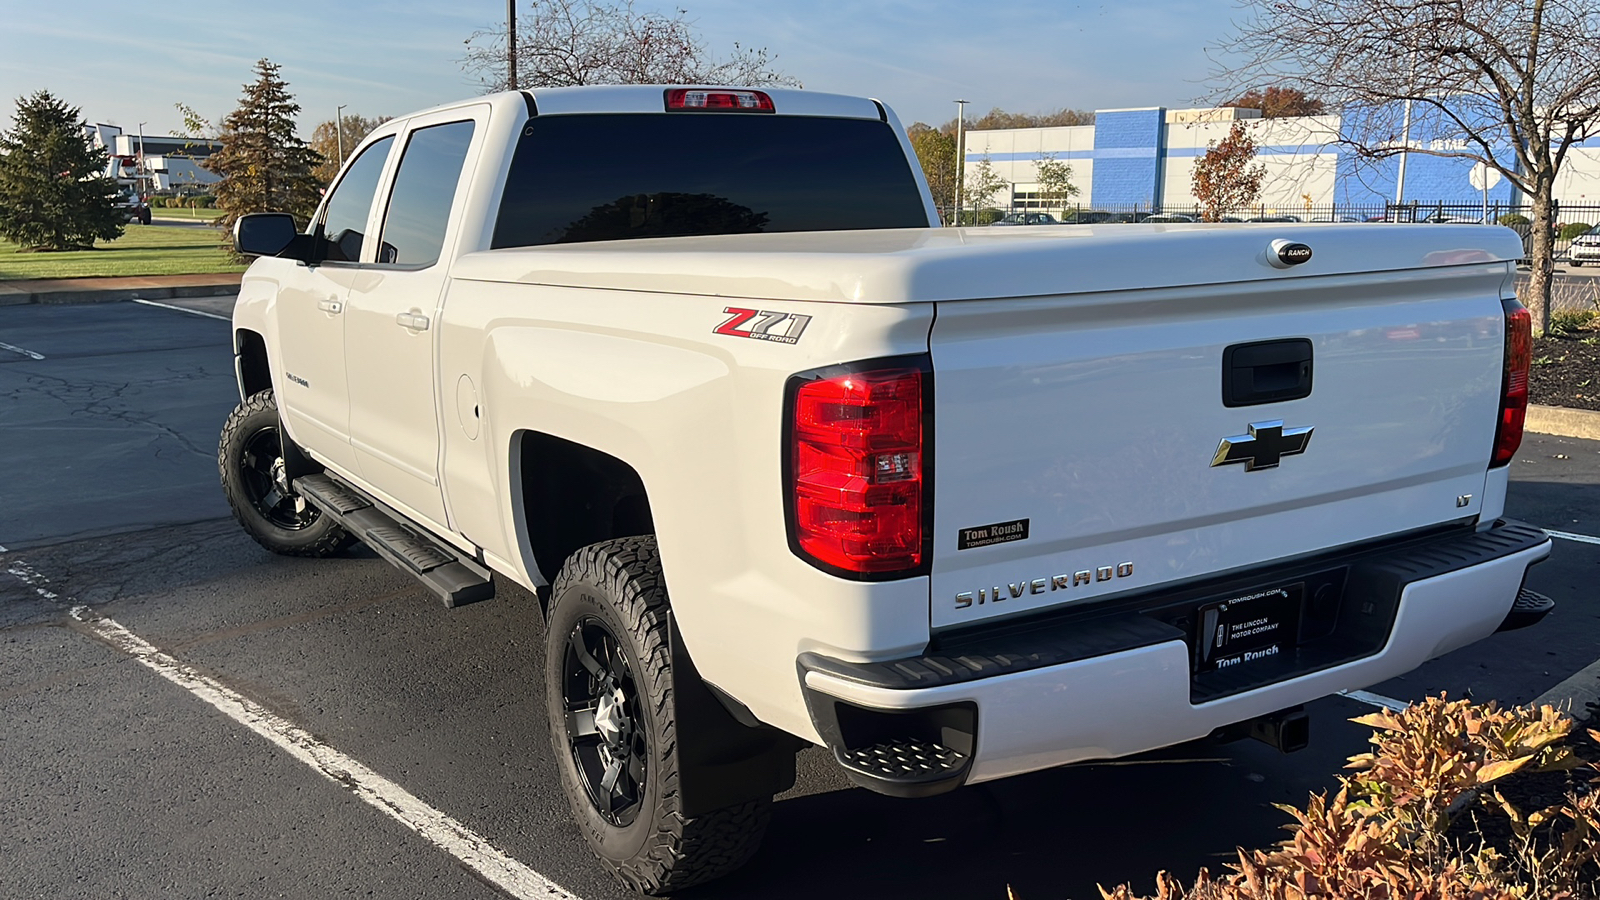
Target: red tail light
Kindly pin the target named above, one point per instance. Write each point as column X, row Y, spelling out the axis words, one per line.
column 1514, row 390
column 709, row 100
column 857, row 468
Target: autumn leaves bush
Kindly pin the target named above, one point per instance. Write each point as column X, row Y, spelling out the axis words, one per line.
column 1424, row 817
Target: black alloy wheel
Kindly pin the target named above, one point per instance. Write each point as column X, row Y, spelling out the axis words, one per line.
column 265, row 484
column 250, row 463
column 605, row 727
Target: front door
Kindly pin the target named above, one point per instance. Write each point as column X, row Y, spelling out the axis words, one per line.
column 393, row 312
column 311, row 389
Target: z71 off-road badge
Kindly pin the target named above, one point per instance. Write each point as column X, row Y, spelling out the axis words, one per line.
column 785, row 328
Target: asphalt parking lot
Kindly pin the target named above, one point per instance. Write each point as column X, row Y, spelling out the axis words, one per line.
column 119, row 783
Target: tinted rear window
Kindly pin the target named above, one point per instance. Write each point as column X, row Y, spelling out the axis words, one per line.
column 612, row 177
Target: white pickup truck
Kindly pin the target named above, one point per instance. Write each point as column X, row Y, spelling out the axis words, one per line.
column 786, row 463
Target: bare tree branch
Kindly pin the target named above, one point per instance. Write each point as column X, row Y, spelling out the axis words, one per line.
column 564, row 43
column 1513, row 84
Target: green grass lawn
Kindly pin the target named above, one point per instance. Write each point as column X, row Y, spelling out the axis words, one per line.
column 142, row 250
column 200, row 215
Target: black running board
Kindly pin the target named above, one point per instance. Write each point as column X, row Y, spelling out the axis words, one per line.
column 457, row 580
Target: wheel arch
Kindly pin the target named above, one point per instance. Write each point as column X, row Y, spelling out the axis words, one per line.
column 250, row 363
column 570, row 495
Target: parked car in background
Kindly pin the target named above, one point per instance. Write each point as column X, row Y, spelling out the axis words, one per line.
column 1339, row 218
column 1585, row 247
column 1100, row 216
column 1032, row 218
column 1282, row 217
column 134, row 204
column 1170, row 218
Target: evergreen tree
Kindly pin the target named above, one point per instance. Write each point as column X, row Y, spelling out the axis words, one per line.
column 265, row 166
column 54, row 191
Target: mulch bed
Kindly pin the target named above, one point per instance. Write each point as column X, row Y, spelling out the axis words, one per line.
column 1566, row 371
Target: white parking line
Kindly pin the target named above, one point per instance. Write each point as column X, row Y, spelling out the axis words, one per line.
column 1377, row 700
column 28, row 353
column 182, row 309
column 389, row 798
column 1568, row 536
column 28, row 576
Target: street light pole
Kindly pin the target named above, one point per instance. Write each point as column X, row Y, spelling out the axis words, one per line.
column 139, row 169
column 1405, row 138
column 338, row 131
column 961, row 154
column 511, row 44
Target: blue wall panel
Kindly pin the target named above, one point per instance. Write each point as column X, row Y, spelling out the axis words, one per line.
column 1127, row 156
column 1429, row 179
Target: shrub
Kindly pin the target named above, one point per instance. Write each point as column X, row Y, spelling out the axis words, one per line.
column 1514, row 219
column 1387, row 831
column 1567, row 322
column 1572, row 230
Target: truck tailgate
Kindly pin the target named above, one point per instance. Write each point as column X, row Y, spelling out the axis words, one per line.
column 1075, row 435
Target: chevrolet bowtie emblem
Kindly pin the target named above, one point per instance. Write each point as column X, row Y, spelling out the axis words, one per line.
column 1266, row 443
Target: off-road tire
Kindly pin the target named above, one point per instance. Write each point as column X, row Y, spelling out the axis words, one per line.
column 619, row 583
column 249, row 422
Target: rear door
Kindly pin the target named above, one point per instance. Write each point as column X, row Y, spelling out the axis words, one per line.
column 1084, row 447
column 394, row 310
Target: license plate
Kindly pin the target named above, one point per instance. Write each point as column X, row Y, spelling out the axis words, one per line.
column 1237, row 632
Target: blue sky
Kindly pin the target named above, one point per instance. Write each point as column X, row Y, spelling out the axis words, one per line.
column 128, row 62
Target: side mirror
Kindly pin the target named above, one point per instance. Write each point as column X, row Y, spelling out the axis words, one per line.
column 266, row 234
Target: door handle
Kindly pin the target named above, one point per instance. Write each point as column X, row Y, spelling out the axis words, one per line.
column 413, row 320
column 330, row 306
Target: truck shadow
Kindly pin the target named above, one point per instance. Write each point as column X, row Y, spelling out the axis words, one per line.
column 1051, row 834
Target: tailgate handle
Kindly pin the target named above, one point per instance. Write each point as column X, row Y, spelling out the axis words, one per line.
column 1266, row 372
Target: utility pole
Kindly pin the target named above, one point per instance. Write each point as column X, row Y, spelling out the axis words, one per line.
column 511, row 44
column 961, row 155
column 338, row 131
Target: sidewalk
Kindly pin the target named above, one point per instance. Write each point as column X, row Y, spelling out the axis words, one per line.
column 110, row 290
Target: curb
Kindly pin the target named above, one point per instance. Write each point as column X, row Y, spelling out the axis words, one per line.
column 1575, row 695
column 114, row 295
column 1562, row 422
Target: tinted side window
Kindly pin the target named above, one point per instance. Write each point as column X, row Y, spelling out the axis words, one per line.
column 424, row 190
column 610, row 177
column 344, row 219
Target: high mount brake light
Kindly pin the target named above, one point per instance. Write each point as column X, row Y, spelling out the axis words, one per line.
column 857, row 468
column 710, row 100
column 1514, row 386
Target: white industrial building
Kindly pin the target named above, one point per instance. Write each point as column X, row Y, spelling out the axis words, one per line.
column 1144, row 159
column 171, row 163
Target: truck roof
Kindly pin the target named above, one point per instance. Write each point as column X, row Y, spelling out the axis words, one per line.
column 940, row 264
column 648, row 98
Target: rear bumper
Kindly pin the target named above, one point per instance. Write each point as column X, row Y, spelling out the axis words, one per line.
column 1122, row 683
